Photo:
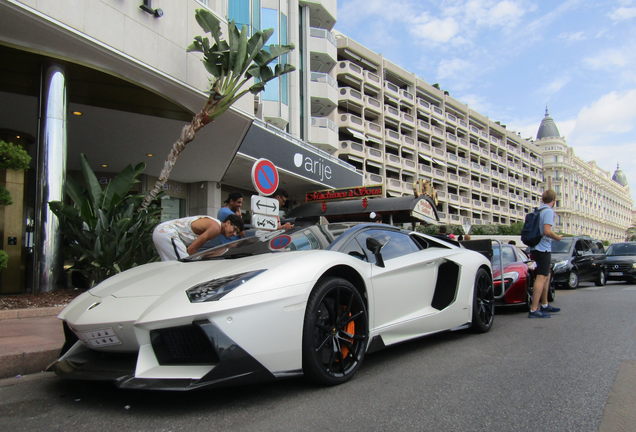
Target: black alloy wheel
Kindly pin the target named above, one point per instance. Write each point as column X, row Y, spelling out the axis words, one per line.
column 483, row 302
column 335, row 332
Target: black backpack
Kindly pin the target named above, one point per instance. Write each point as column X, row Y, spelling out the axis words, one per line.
column 532, row 230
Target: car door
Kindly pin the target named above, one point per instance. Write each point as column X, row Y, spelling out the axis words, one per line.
column 403, row 289
column 583, row 259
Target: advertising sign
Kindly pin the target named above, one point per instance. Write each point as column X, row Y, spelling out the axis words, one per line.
column 344, row 193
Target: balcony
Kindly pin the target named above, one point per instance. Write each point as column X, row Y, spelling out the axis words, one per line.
column 451, row 118
column 351, row 121
column 437, row 131
column 324, row 133
column 392, row 136
column 463, row 143
column 324, row 93
column 394, row 185
column 391, row 90
column 425, row 148
column 373, row 129
column 350, row 73
column 451, row 137
column 437, row 111
column 423, row 105
column 372, row 81
column 441, row 153
column 407, row 97
column 425, row 169
column 409, row 165
column 322, row 45
column 374, row 154
column 391, row 113
column 322, row 11
column 352, row 148
column 348, row 97
column 422, row 125
column 453, row 178
column 372, row 179
column 409, row 142
column 372, row 104
column 407, row 119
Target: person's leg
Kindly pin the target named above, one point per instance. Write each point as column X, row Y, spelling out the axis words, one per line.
column 537, row 291
column 162, row 237
column 546, row 288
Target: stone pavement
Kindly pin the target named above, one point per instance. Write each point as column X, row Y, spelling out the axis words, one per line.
column 30, row 340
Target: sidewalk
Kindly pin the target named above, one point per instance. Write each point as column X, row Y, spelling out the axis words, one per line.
column 30, row 339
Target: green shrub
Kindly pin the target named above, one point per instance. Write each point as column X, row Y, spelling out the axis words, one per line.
column 103, row 230
column 5, row 197
column 4, row 259
column 13, row 156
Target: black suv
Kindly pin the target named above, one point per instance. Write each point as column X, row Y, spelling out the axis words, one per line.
column 621, row 262
column 578, row 259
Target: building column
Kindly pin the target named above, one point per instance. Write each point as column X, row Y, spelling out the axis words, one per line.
column 204, row 198
column 51, row 173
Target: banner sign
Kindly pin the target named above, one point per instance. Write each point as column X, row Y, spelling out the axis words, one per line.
column 344, row 193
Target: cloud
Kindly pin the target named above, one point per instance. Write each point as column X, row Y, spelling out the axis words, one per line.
column 573, row 37
column 436, row 30
column 554, row 86
column 452, row 68
column 623, row 13
column 608, row 59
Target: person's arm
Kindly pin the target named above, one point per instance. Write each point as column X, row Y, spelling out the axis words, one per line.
column 213, row 230
column 547, row 231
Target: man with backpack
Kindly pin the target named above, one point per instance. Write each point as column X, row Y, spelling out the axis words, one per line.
column 541, row 254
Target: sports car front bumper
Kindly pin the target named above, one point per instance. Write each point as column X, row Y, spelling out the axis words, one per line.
column 199, row 345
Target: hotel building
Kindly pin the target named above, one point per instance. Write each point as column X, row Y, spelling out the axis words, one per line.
column 589, row 200
column 396, row 129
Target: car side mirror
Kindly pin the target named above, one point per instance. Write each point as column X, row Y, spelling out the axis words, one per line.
column 375, row 247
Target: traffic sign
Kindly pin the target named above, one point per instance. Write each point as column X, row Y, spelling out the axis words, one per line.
column 264, row 205
column 263, row 222
column 280, row 242
column 265, row 177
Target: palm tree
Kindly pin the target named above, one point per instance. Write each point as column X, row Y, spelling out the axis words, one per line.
column 232, row 64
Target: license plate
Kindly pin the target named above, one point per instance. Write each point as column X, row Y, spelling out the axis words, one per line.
column 99, row 338
column 616, row 273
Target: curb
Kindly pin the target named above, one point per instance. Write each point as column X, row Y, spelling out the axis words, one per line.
column 27, row 363
column 30, row 313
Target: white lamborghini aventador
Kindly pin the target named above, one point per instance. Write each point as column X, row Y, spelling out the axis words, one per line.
column 313, row 300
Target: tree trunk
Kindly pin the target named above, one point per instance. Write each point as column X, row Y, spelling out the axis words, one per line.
column 188, row 133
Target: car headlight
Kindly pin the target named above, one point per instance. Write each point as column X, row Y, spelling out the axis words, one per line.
column 216, row 288
column 560, row 265
column 634, row 265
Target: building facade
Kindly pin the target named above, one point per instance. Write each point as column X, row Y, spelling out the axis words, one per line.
column 397, row 129
column 590, row 201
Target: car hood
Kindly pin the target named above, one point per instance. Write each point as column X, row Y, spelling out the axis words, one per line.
column 556, row 257
column 155, row 279
column 620, row 258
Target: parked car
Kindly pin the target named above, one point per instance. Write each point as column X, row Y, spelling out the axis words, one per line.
column 517, row 275
column 312, row 300
column 620, row 262
column 578, row 259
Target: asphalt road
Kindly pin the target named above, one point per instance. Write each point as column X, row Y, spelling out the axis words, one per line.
column 524, row 375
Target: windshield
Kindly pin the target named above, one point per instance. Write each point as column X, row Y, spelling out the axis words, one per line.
column 261, row 242
column 622, row 249
column 562, row 246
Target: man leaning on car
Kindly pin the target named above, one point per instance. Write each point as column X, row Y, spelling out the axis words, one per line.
column 541, row 254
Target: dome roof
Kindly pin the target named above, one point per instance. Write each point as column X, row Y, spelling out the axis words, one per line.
column 548, row 128
column 619, row 176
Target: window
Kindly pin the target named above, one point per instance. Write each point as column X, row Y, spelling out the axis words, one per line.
column 396, row 244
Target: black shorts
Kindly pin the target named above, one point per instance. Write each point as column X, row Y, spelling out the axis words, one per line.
column 543, row 262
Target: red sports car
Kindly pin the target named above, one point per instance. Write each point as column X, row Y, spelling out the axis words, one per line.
column 517, row 275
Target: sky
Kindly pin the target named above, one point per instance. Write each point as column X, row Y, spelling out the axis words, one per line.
column 509, row 59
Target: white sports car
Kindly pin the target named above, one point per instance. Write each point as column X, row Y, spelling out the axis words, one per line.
column 312, row 301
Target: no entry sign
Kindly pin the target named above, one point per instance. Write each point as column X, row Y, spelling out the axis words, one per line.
column 265, row 177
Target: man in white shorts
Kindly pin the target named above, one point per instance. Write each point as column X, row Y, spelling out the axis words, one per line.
column 178, row 238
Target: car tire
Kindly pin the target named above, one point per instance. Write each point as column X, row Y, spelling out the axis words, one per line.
column 335, row 332
column 601, row 278
column 483, row 302
column 551, row 292
column 573, row 280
